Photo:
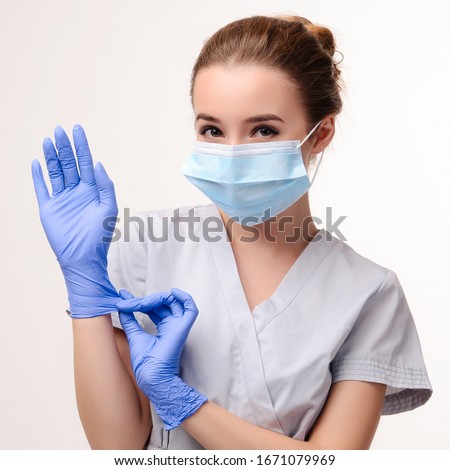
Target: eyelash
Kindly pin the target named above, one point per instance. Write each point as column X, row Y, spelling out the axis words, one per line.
column 207, row 128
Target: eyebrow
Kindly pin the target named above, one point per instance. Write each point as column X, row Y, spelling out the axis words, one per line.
column 260, row 118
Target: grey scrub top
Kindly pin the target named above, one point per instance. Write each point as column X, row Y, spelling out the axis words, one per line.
column 336, row 315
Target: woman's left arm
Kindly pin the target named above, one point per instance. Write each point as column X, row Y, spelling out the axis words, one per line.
column 348, row 420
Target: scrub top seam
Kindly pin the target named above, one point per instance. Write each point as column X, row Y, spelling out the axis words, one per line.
column 396, row 369
column 231, row 316
column 300, row 289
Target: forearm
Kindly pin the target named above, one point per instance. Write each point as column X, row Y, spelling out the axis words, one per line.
column 107, row 399
column 216, row 428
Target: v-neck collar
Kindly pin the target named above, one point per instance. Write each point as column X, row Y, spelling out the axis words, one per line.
column 289, row 287
column 246, row 325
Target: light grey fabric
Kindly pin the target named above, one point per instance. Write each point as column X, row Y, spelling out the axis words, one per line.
column 336, row 315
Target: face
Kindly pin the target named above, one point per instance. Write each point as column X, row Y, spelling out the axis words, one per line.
column 250, row 104
column 246, row 104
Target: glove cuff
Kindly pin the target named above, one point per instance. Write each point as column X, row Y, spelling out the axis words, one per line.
column 90, row 295
column 174, row 401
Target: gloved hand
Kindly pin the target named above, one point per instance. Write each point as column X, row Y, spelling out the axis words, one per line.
column 156, row 359
column 74, row 221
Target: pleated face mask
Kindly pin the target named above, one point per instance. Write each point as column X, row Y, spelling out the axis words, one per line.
column 250, row 182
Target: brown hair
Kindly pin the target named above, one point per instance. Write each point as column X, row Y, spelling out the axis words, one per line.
column 289, row 43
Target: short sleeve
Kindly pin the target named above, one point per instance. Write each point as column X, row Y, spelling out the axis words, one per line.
column 383, row 346
column 127, row 263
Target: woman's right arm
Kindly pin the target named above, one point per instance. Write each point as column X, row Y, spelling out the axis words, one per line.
column 78, row 220
column 114, row 411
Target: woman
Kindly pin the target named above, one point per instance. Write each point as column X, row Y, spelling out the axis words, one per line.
column 288, row 338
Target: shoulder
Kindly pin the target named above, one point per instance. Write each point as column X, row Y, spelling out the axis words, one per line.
column 138, row 228
column 152, row 224
column 347, row 267
column 141, row 237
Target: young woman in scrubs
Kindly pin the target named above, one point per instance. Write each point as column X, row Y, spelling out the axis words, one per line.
column 299, row 341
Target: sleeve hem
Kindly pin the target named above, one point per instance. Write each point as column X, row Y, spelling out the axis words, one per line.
column 140, row 317
column 115, row 320
column 408, row 388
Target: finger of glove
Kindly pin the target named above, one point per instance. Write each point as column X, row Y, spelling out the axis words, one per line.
column 54, row 169
column 125, row 294
column 143, row 304
column 130, row 326
column 105, row 187
column 163, row 311
column 66, row 158
column 84, row 156
column 190, row 310
column 39, row 183
column 155, row 318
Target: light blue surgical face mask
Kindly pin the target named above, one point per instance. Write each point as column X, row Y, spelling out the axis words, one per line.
column 250, row 182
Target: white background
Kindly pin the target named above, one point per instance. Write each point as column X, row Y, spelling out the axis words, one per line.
column 122, row 70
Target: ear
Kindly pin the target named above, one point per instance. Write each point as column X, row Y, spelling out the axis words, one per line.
column 323, row 135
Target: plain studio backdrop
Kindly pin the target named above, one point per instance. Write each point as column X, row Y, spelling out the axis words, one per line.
column 122, row 69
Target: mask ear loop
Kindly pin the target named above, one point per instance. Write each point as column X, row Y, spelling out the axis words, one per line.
column 321, row 156
column 309, row 133
column 317, row 168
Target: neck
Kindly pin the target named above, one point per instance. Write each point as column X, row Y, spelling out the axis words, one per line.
column 289, row 230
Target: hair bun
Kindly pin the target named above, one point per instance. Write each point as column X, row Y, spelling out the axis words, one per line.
column 321, row 33
column 324, row 36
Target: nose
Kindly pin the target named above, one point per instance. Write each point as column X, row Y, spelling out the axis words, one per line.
column 239, row 140
column 236, row 139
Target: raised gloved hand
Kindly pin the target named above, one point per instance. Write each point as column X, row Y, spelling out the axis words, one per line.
column 79, row 220
column 155, row 359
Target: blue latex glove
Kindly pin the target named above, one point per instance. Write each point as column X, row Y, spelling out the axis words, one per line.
column 156, row 359
column 73, row 221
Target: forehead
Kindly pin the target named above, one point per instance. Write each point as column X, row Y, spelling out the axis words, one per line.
column 245, row 90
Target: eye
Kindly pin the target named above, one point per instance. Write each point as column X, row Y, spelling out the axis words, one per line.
column 214, row 131
column 266, row 131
